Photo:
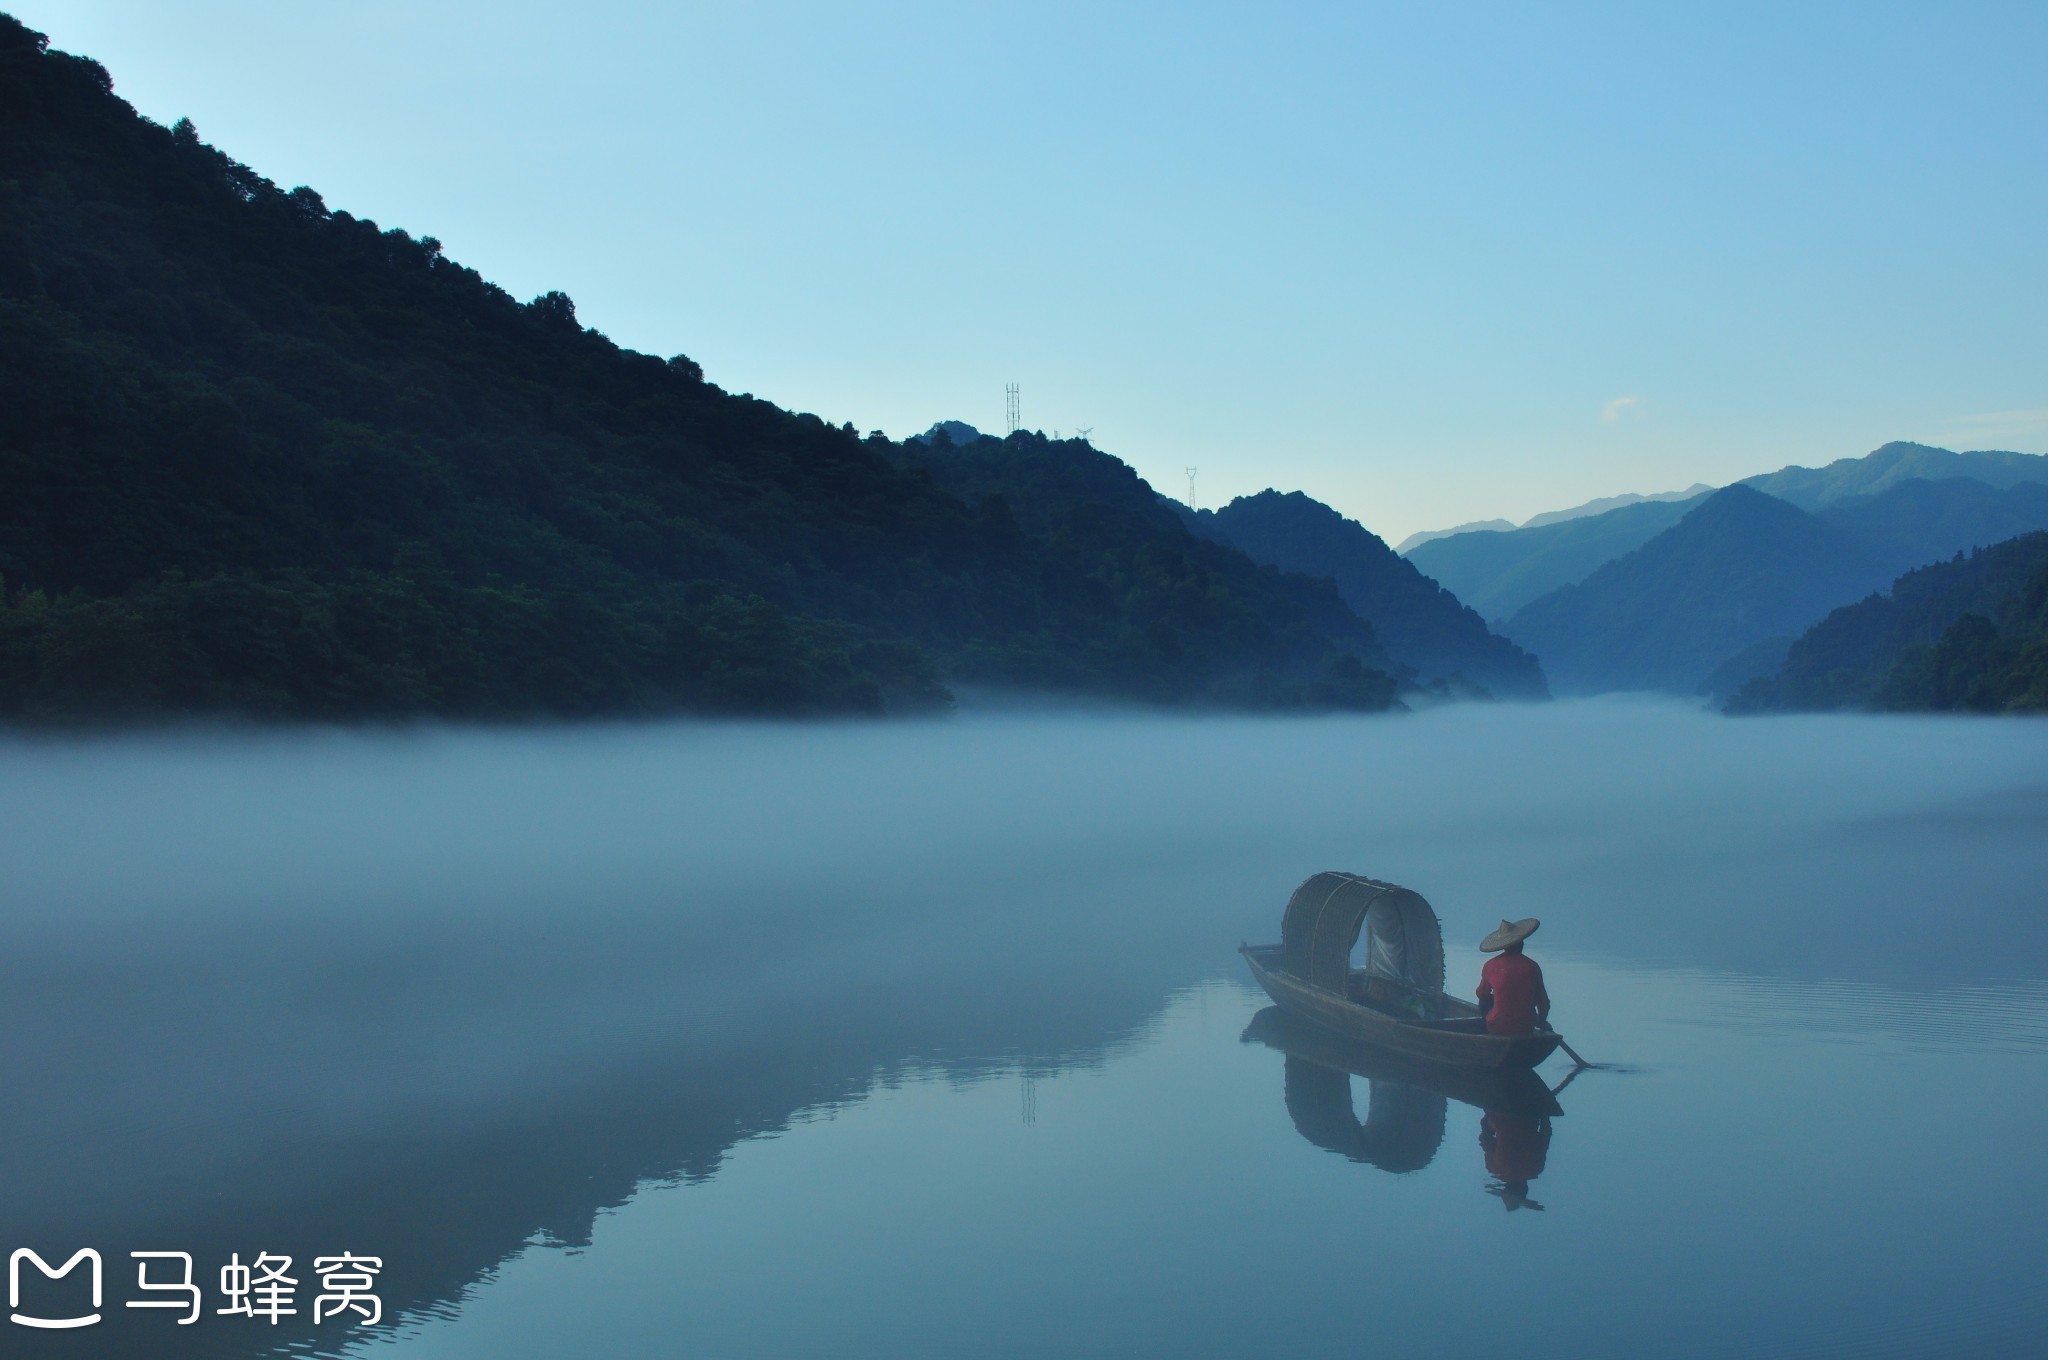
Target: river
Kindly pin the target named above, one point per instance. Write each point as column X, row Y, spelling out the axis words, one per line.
column 930, row 1038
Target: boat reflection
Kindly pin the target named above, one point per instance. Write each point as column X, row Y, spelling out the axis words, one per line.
column 1402, row 1129
column 1407, row 1104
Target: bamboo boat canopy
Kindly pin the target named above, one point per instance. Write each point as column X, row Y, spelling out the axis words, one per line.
column 1327, row 914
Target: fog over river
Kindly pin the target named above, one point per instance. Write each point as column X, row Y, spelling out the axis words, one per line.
column 930, row 1038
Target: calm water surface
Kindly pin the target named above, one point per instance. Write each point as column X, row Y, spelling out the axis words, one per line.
column 931, row 1040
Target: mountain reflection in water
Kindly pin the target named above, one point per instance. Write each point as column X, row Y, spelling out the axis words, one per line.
column 444, row 1179
column 723, row 1040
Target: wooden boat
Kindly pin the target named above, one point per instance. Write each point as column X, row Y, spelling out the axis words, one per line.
column 1396, row 1001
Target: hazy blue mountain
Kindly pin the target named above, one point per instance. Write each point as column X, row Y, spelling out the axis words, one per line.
column 1603, row 504
column 1599, row 506
column 1740, row 567
column 1498, row 573
column 1913, row 522
column 1757, row 659
column 1877, row 471
column 1421, row 624
column 1414, row 541
column 1850, row 659
column 1874, row 538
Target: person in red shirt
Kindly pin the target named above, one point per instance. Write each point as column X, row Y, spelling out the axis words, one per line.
column 1511, row 994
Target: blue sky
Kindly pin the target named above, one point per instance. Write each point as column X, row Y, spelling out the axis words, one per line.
column 1428, row 264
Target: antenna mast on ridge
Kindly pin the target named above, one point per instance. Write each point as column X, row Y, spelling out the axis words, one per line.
column 1011, row 418
column 1191, row 488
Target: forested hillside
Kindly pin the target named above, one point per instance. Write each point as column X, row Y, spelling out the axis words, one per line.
column 1969, row 633
column 263, row 456
column 1421, row 624
column 1093, row 528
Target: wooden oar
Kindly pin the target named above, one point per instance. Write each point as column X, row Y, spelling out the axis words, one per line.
column 1569, row 1051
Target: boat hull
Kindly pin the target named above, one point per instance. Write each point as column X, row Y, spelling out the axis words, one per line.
column 1516, row 1090
column 1362, row 1024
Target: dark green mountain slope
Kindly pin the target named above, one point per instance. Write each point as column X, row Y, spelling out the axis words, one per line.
column 265, row 457
column 1981, row 664
column 1740, row 567
column 1499, row 572
column 1886, row 467
column 1421, row 624
column 1102, row 544
column 1852, row 658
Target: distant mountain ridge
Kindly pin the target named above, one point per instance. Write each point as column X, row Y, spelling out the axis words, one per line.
column 1421, row 624
column 1914, row 522
column 1599, row 506
column 1605, row 503
column 1742, row 569
column 1477, row 526
column 1891, row 464
column 1739, row 567
column 1498, row 573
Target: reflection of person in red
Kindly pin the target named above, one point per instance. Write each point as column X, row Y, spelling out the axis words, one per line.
column 1511, row 994
column 1514, row 1145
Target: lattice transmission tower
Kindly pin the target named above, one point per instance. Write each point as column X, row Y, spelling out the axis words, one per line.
column 1191, row 489
column 1012, row 417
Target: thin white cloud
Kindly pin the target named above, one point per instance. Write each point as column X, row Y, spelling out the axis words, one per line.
column 1992, row 426
column 1611, row 412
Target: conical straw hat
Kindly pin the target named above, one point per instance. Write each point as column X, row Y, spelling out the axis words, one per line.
column 1510, row 932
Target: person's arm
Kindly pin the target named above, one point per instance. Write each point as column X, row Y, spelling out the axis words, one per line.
column 1485, row 993
column 1542, row 1000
